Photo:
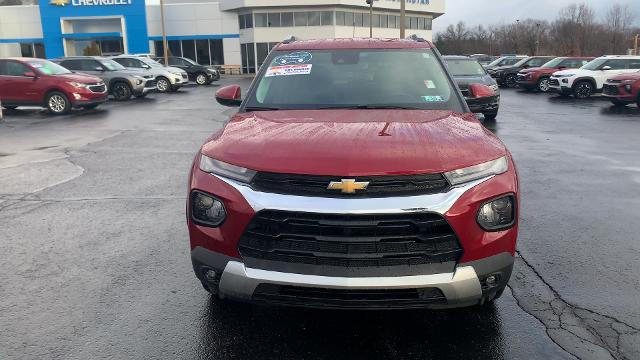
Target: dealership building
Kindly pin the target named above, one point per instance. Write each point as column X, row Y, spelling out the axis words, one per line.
column 225, row 32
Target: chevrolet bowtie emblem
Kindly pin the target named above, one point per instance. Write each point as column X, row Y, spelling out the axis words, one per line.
column 59, row 2
column 348, row 186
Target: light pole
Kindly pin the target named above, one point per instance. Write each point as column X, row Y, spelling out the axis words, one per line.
column 402, row 21
column 537, row 39
column 370, row 2
column 164, row 35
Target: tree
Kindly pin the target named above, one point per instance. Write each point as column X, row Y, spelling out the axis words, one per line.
column 618, row 20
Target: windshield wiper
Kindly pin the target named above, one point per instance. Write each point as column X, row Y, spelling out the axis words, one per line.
column 261, row 108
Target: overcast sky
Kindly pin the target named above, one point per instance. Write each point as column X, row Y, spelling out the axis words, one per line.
column 487, row 12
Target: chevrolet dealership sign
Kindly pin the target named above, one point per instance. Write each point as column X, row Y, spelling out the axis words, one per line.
column 89, row 2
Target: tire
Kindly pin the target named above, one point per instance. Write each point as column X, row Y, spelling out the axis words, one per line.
column 583, row 89
column 121, row 91
column 202, row 79
column 543, row 85
column 163, row 84
column 490, row 115
column 617, row 102
column 90, row 107
column 638, row 102
column 57, row 103
column 511, row 81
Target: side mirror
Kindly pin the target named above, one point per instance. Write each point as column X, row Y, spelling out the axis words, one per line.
column 229, row 96
column 561, row 67
column 145, row 66
column 605, row 68
column 30, row 74
column 481, row 91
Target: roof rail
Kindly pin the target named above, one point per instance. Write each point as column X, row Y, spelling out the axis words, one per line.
column 415, row 37
column 290, row 39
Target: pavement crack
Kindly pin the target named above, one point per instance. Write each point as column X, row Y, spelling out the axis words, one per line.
column 581, row 332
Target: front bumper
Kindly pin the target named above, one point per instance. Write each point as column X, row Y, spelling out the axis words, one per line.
column 484, row 105
column 463, row 287
column 146, row 87
column 619, row 91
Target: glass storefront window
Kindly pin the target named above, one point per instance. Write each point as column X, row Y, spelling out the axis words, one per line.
column 300, row 18
column 348, row 19
column 202, row 52
column 216, row 51
column 273, row 19
column 260, row 19
column 189, row 49
column 327, row 18
column 174, row 48
column 358, row 19
column 340, row 18
column 26, row 49
column 314, row 18
column 39, row 50
column 286, row 19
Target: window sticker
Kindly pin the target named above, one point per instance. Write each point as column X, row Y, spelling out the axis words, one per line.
column 36, row 65
column 437, row 98
column 429, row 84
column 299, row 57
column 286, row 70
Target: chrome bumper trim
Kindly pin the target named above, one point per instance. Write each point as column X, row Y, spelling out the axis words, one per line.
column 461, row 288
column 436, row 203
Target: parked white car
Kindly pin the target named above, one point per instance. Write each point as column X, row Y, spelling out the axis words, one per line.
column 167, row 78
column 589, row 79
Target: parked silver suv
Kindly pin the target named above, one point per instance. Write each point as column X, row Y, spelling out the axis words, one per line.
column 121, row 82
column 167, row 78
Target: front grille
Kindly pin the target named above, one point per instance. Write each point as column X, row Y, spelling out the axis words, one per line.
column 312, row 243
column 610, row 89
column 185, row 76
column 554, row 82
column 379, row 186
column 99, row 88
column 150, row 84
column 339, row 298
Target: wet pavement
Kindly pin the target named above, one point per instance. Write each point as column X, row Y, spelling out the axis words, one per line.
column 95, row 256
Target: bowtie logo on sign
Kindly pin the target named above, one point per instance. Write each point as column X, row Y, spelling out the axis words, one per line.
column 89, row 2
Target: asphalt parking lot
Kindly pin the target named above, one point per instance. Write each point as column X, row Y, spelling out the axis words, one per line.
column 95, row 252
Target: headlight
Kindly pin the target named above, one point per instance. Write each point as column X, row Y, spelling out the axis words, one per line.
column 497, row 214
column 213, row 71
column 78, row 85
column 139, row 79
column 206, row 209
column 629, row 82
column 495, row 88
column 475, row 172
column 223, row 169
column 176, row 73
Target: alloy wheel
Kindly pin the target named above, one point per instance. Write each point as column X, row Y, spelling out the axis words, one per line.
column 201, row 79
column 583, row 90
column 543, row 85
column 121, row 92
column 511, row 81
column 57, row 103
column 163, row 85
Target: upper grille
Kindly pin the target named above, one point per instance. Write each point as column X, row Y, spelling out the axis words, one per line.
column 379, row 186
column 348, row 241
column 610, row 89
column 99, row 88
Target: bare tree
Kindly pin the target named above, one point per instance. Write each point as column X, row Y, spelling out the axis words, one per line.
column 618, row 20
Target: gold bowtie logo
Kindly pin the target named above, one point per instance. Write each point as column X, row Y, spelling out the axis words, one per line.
column 348, row 186
column 59, row 2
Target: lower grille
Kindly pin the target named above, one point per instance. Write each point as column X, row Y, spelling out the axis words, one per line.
column 339, row 298
column 379, row 186
column 335, row 245
column 610, row 90
column 150, row 84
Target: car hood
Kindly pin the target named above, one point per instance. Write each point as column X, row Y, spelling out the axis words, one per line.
column 173, row 69
column 354, row 142
column 632, row 76
column 464, row 81
column 541, row 70
column 572, row 71
column 80, row 77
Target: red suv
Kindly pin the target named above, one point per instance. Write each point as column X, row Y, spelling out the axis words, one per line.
column 353, row 176
column 623, row 90
column 538, row 78
column 38, row 82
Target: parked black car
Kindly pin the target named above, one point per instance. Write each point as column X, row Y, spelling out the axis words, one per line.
column 503, row 61
column 466, row 71
column 507, row 76
column 202, row 75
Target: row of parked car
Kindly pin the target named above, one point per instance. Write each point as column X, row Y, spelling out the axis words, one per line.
column 617, row 77
column 87, row 81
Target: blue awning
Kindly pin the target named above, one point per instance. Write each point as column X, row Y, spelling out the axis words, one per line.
column 101, row 35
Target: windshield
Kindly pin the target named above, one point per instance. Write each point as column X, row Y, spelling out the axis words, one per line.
column 520, row 62
column 594, row 64
column 48, row 67
column 111, row 65
column 151, row 62
column 190, row 61
column 496, row 62
column 465, row 67
column 370, row 78
column 554, row 63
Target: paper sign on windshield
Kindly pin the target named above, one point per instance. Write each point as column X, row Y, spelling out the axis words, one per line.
column 285, row 70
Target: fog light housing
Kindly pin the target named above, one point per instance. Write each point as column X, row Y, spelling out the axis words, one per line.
column 628, row 88
column 497, row 214
column 206, row 209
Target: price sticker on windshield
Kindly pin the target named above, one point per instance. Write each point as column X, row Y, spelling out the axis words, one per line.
column 287, row 70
